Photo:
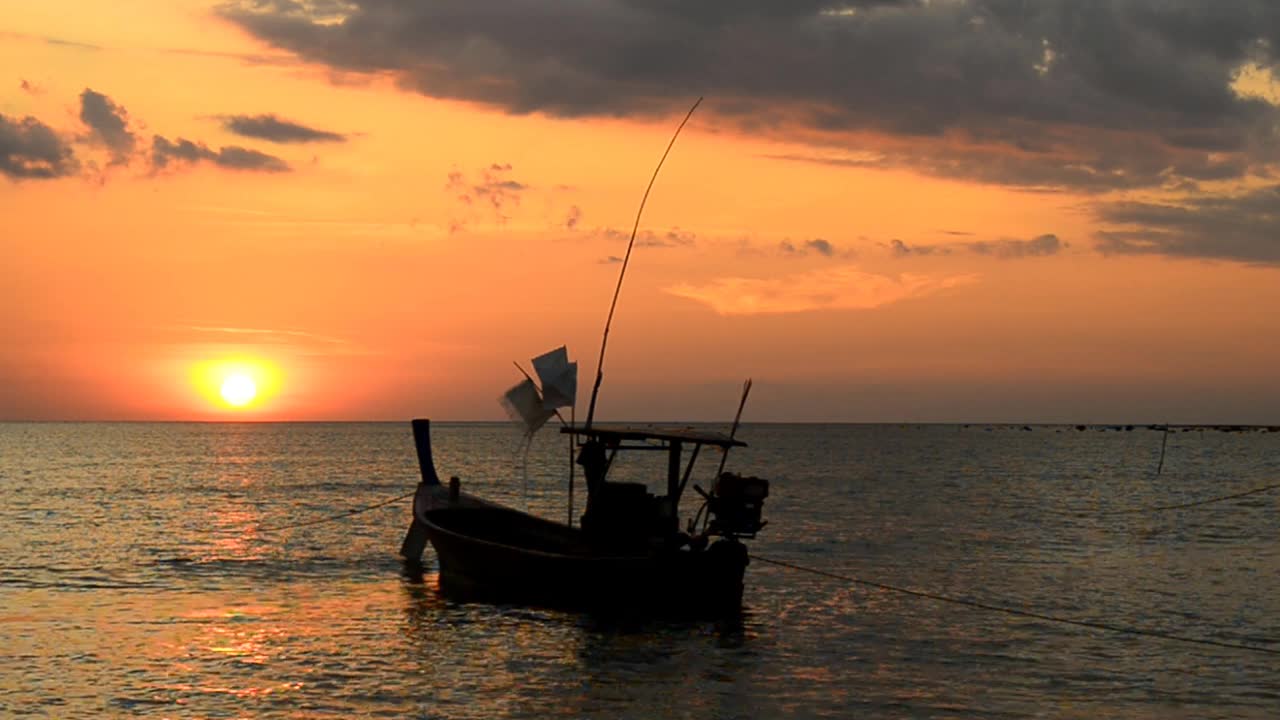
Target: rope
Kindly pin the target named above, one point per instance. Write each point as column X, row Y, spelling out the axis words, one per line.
column 1197, row 503
column 1142, row 632
column 339, row 516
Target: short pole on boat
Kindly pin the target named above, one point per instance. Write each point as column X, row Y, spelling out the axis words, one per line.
column 746, row 390
column 572, row 421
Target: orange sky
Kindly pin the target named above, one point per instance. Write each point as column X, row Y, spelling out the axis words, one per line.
column 857, row 273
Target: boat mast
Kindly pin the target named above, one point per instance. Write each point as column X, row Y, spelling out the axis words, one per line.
column 595, row 389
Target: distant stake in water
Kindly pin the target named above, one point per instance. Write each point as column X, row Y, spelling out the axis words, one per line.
column 1163, row 443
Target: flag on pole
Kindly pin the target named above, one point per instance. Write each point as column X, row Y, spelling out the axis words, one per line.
column 559, row 378
column 524, row 405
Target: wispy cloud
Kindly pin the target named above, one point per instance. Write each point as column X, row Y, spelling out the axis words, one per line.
column 271, row 128
column 670, row 238
column 1005, row 249
column 573, row 217
column 29, row 37
column 266, row 334
column 816, row 245
column 496, row 189
column 1040, row 246
column 231, row 157
column 296, row 342
column 838, row 288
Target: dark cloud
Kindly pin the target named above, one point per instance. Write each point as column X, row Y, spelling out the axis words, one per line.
column 1040, row 246
column 164, row 151
column 816, row 245
column 109, row 125
column 1101, row 163
column 610, row 260
column 1242, row 228
column 31, row 149
column 901, row 249
column 273, row 129
column 30, row 88
column 1048, row 94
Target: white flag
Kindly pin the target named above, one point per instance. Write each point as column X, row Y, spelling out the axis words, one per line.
column 524, row 405
column 559, row 378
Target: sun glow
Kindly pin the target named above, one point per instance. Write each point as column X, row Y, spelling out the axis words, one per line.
column 237, row 384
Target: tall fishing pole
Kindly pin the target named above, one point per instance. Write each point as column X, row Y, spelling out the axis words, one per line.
column 595, row 389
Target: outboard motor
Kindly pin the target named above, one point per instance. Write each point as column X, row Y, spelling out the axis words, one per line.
column 735, row 504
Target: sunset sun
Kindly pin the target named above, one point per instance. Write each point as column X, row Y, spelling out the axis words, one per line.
column 237, row 383
column 238, row 390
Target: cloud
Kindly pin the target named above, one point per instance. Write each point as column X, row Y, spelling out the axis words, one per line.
column 495, row 189
column 672, row 238
column 164, row 151
column 1039, row 246
column 29, row 149
column 1047, row 94
column 267, row 335
column 30, row 37
column 108, row 124
column 675, row 237
column 901, row 249
column 839, row 288
column 574, row 217
column 274, row 129
column 1242, row 228
column 816, row 245
column 30, row 87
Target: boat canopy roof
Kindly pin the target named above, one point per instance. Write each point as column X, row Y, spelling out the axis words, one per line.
column 618, row 433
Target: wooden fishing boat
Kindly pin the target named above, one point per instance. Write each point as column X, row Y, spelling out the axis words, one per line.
column 628, row 551
column 627, row 554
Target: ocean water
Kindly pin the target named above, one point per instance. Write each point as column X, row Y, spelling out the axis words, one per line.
column 148, row 570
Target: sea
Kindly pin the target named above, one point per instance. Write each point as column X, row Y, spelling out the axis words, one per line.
column 178, row 570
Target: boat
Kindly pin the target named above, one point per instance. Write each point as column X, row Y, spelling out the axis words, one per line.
column 628, row 551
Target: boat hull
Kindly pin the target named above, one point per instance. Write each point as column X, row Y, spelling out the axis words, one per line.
column 501, row 555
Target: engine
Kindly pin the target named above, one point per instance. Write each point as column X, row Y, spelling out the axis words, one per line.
column 735, row 504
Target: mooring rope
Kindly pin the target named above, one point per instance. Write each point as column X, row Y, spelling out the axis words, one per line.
column 1197, row 503
column 1142, row 632
column 339, row 516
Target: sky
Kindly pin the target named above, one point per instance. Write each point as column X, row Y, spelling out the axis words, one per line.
column 882, row 211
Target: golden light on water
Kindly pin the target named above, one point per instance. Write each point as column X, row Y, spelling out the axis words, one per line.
column 239, row 384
